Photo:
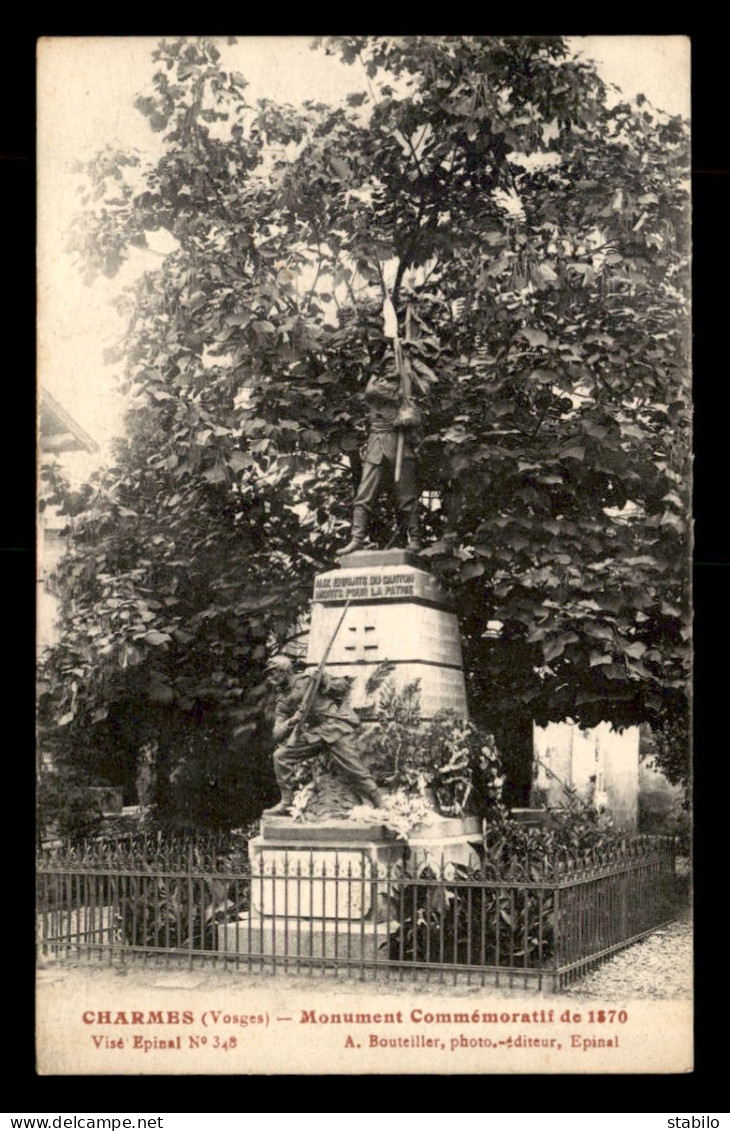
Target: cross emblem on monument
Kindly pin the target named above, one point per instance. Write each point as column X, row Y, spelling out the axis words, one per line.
column 361, row 641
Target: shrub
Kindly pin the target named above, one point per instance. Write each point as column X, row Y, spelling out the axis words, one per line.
column 449, row 759
column 460, row 921
column 455, row 918
column 67, row 809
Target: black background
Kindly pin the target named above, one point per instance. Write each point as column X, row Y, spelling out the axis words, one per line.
column 711, row 331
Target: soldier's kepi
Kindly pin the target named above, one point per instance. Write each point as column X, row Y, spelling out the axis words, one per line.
column 312, row 714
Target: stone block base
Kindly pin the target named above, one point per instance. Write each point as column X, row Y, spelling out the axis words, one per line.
column 443, row 843
column 279, row 940
column 337, row 870
column 329, row 871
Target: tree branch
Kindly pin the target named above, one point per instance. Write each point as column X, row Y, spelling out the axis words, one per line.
column 405, row 259
column 409, row 143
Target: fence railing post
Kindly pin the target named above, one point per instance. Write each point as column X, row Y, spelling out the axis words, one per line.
column 557, row 937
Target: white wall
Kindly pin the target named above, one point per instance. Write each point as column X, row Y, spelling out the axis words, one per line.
column 600, row 763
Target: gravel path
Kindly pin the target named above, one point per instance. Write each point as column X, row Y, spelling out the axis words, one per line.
column 659, row 967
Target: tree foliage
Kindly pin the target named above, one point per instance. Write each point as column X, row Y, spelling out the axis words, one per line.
column 532, row 235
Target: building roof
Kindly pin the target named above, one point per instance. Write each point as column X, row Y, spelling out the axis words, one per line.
column 59, row 432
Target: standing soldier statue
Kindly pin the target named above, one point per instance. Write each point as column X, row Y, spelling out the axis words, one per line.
column 389, row 458
column 313, row 715
column 390, row 450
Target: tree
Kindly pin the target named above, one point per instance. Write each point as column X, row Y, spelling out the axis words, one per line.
column 533, row 241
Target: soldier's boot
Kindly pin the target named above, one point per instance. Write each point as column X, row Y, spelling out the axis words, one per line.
column 358, row 532
column 372, row 794
column 410, row 522
column 282, row 808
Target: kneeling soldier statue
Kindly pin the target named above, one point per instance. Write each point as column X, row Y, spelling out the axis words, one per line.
column 306, row 724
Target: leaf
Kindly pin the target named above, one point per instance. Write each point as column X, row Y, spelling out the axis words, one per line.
column 160, row 693
column 575, row 451
column 157, row 638
column 599, row 631
column 424, row 370
column 544, row 273
column 239, row 461
column 470, row 570
column 217, row 473
column 440, row 547
column 456, row 435
column 597, row 431
column 557, row 646
column 341, row 168
column 378, row 677
column 534, row 337
column 597, row 658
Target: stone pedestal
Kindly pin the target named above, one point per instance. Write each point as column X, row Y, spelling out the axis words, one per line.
column 397, row 612
column 319, row 891
column 290, row 942
column 444, row 841
column 335, row 889
column 332, row 870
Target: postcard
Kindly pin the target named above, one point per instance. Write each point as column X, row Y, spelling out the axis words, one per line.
column 364, row 540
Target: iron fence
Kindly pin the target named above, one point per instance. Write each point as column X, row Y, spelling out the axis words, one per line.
column 544, row 920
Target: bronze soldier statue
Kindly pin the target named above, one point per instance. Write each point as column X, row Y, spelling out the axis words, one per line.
column 388, row 417
column 327, row 725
